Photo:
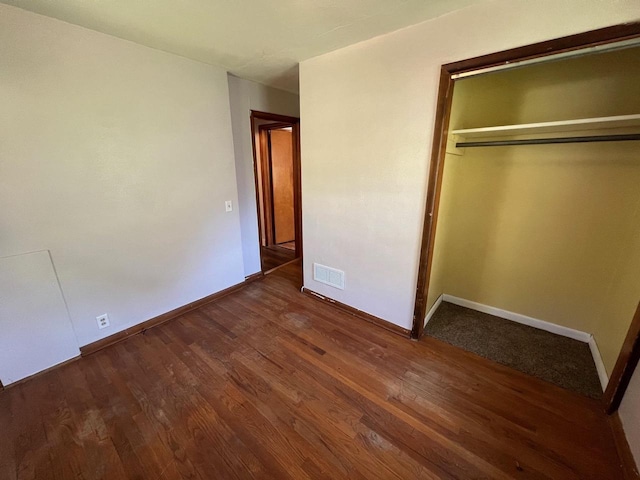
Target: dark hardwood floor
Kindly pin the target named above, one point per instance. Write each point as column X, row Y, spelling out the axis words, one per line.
column 274, row 256
column 269, row 383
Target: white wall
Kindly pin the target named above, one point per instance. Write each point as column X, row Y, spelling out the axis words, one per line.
column 368, row 114
column 33, row 317
column 118, row 159
column 244, row 96
column 630, row 415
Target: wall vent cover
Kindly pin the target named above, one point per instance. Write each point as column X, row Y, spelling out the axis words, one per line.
column 329, row 276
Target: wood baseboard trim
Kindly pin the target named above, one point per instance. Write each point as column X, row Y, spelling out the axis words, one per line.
column 622, row 446
column 41, row 372
column 391, row 327
column 253, row 277
column 165, row 317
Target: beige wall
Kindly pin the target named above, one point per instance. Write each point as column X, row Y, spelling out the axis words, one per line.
column 118, row 159
column 549, row 231
column 245, row 96
column 368, row 113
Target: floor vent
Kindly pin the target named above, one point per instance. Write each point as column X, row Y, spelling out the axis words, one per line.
column 329, row 276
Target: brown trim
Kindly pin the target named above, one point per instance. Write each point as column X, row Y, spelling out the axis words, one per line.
column 253, row 277
column 392, row 327
column 630, row 353
column 255, row 180
column 297, row 189
column 277, row 126
column 602, row 36
column 275, row 117
column 42, row 372
column 163, row 318
column 267, row 184
column 436, row 169
column 622, row 446
column 625, row 366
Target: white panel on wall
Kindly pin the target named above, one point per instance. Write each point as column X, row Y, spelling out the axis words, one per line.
column 35, row 325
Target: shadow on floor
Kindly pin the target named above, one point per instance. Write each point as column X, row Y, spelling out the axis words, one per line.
column 274, row 256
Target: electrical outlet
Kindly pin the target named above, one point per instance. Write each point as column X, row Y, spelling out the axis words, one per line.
column 228, row 206
column 103, row 321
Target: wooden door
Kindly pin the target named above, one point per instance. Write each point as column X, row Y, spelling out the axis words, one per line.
column 282, row 185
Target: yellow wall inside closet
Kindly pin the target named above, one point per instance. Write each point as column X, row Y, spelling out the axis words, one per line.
column 547, row 231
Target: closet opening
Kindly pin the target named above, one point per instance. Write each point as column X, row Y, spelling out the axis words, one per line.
column 276, row 148
column 532, row 228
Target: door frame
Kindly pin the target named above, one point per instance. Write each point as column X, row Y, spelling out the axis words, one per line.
column 267, row 187
column 266, row 170
column 630, row 353
column 280, row 121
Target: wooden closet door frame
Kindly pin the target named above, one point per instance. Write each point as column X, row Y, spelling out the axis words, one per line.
column 630, row 353
column 280, row 121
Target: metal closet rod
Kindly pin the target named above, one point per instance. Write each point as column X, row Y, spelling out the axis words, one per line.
column 545, row 141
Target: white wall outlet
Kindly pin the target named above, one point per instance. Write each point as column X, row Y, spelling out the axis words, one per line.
column 103, row 321
column 228, row 206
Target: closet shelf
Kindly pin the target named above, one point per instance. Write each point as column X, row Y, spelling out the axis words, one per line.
column 620, row 121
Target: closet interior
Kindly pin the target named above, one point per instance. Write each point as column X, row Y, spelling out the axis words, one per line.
column 537, row 248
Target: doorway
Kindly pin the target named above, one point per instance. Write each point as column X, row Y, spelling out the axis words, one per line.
column 277, row 173
column 446, row 144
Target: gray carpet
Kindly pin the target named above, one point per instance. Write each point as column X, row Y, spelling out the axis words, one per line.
column 560, row 360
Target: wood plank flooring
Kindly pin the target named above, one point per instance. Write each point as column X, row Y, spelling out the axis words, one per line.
column 269, row 383
column 274, row 256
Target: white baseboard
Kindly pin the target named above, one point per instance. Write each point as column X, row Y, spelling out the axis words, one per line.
column 516, row 317
column 432, row 310
column 541, row 324
column 597, row 359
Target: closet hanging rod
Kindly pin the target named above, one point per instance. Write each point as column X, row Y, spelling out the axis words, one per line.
column 545, row 141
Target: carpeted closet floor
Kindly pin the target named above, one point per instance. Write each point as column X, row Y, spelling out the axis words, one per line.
column 560, row 360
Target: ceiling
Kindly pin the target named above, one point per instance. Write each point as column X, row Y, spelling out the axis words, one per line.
column 261, row 40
